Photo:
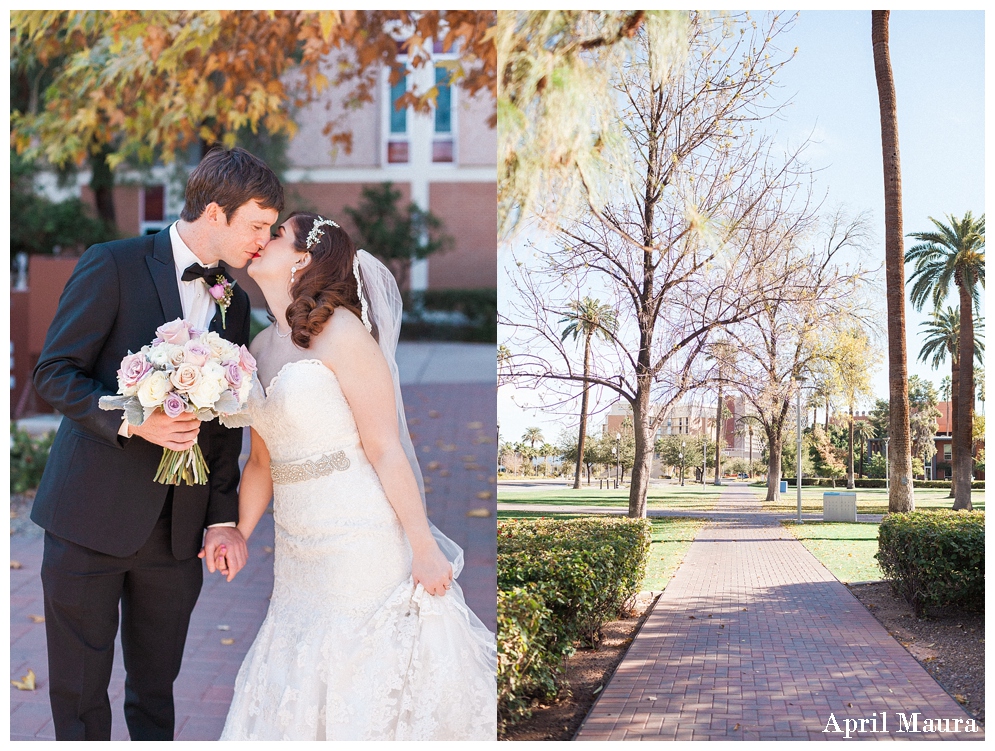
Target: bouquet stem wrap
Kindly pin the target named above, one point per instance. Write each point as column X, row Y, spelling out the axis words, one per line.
column 179, row 467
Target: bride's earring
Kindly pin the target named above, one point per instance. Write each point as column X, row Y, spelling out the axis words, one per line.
column 293, row 270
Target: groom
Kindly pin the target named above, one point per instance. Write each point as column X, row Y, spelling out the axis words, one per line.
column 113, row 536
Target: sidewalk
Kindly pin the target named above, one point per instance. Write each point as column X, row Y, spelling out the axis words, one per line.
column 753, row 639
column 453, row 425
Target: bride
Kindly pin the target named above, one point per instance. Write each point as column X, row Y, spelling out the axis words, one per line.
column 367, row 634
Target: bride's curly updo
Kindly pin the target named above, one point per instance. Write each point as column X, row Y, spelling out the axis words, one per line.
column 326, row 283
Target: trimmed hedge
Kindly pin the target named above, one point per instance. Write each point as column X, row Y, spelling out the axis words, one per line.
column 28, row 457
column 872, row 482
column 935, row 559
column 559, row 582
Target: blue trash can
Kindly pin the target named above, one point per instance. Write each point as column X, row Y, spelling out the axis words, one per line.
column 784, row 486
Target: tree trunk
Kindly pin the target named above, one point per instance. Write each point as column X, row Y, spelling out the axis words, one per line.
column 963, row 456
column 642, row 464
column 849, row 468
column 826, row 425
column 901, row 496
column 102, row 185
column 773, row 468
column 863, row 450
column 954, row 403
column 583, row 411
column 718, row 437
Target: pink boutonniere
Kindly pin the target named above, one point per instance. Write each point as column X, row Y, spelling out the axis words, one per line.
column 222, row 293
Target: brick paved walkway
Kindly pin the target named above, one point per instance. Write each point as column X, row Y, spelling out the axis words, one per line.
column 754, row 639
column 454, row 430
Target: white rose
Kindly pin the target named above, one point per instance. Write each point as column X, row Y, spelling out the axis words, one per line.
column 215, row 371
column 206, row 392
column 165, row 355
column 245, row 388
column 186, row 377
column 152, row 391
column 219, row 347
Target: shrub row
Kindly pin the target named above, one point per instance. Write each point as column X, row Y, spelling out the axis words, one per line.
column 559, row 582
column 28, row 457
column 871, row 482
column 935, row 559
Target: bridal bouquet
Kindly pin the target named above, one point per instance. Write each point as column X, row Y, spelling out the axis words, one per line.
column 184, row 369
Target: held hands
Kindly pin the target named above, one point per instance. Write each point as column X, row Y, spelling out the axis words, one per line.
column 176, row 433
column 431, row 569
column 224, row 550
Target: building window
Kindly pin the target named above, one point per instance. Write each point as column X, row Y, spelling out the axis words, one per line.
column 398, row 151
column 153, row 209
column 442, row 141
column 947, row 454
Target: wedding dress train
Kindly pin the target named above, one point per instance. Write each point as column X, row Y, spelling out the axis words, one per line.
column 350, row 648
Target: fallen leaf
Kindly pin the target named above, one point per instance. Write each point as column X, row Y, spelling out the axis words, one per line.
column 470, row 458
column 691, row 617
column 736, row 726
column 13, row 514
column 724, row 625
column 479, row 513
column 471, row 466
column 744, row 609
column 493, row 479
column 444, row 473
column 417, row 420
column 426, row 449
column 37, row 618
column 16, row 565
column 598, row 689
column 479, row 425
column 27, row 682
column 450, row 447
column 849, row 703
column 710, row 615
column 227, row 642
column 485, row 494
column 224, row 627
column 268, row 549
column 433, row 413
column 653, row 698
column 960, row 698
column 433, row 465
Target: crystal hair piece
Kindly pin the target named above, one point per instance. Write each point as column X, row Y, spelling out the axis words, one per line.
column 316, row 233
column 359, row 290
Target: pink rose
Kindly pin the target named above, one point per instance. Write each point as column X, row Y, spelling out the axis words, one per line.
column 246, row 360
column 174, row 332
column 217, row 291
column 233, row 373
column 174, row 405
column 196, row 353
column 133, row 369
column 196, row 333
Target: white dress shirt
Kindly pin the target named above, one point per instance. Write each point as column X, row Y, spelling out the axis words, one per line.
column 196, row 302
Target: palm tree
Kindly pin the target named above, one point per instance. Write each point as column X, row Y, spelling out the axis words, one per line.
column 979, row 379
column 587, row 318
column 900, row 496
column 863, row 431
column 941, row 337
column 954, row 253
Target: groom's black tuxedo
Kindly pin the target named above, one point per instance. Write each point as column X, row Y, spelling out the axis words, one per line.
column 113, row 535
column 98, row 489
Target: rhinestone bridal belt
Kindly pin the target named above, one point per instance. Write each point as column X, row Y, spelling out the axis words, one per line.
column 285, row 474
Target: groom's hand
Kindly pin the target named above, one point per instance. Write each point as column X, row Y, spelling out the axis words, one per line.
column 176, row 433
column 236, row 553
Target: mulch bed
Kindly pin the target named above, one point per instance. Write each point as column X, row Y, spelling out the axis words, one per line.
column 951, row 645
column 587, row 671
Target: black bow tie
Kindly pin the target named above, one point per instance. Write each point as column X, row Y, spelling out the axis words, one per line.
column 196, row 271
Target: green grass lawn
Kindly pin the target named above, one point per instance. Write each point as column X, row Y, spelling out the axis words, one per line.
column 869, row 500
column 846, row 549
column 689, row 498
column 671, row 538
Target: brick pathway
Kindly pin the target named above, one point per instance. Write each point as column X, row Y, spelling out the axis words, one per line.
column 754, row 639
column 453, row 425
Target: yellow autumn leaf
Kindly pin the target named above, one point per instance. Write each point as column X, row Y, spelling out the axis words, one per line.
column 479, row 513
column 227, row 642
column 27, row 682
column 37, row 618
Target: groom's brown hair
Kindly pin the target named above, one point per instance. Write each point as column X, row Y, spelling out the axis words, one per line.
column 231, row 178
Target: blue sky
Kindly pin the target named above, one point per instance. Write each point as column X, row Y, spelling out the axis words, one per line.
column 939, row 66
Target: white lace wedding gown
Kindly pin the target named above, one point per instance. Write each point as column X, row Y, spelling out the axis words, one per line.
column 350, row 649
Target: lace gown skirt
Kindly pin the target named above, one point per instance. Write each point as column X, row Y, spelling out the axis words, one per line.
column 350, row 649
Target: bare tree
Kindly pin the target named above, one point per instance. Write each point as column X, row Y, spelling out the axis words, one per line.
column 787, row 339
column 684, row 254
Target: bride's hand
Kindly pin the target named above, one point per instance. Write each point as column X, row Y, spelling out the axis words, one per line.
column 431, row 569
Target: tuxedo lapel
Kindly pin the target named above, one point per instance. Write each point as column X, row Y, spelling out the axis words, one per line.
column 163, row 271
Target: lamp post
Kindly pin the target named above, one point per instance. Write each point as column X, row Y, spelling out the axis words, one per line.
column 798, row 474
column 615, row 454
column 618, row 470
column 682, row 462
